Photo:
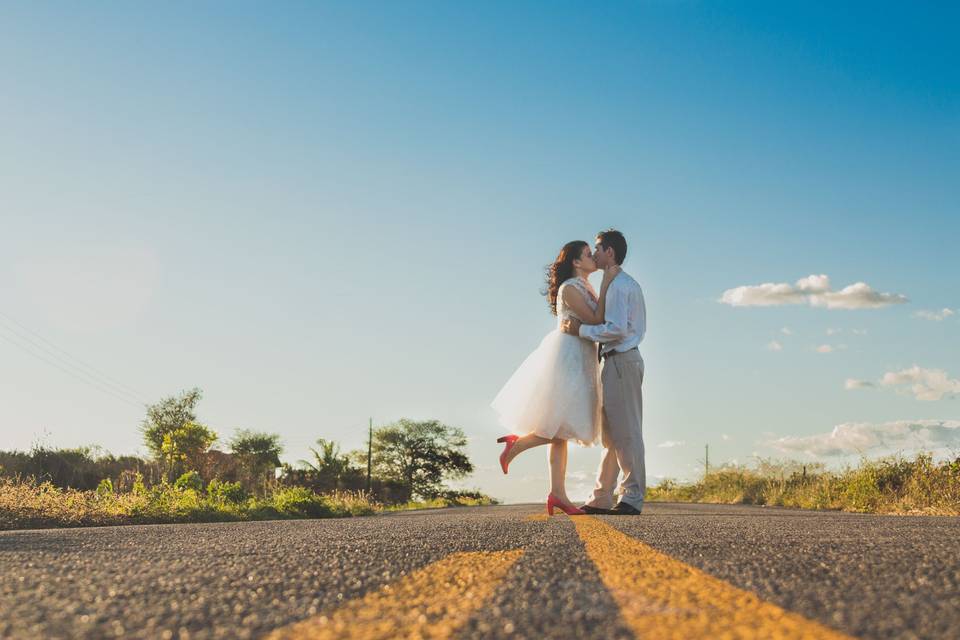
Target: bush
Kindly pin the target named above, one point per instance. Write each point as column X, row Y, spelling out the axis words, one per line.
column 298, row 501
column 887, row 485
column 226, row 492
column 138, row 488
column 189, row 480
column 78, row 468
column 105, row 488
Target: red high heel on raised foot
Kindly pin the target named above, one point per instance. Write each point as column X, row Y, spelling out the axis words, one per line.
column 510, row 440
column 568, row 509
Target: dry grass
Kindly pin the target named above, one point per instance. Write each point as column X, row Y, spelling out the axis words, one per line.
column 29, row 504
column 890, row 485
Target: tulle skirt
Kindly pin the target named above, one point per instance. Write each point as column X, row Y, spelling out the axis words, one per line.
column 555, row 391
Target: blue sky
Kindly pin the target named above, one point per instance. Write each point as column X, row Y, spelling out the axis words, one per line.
column 323, row 212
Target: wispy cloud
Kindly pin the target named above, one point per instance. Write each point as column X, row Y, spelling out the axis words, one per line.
column 814, row 290
column 935, row 316
column 787, row 331
column 924, row 384
column 864, row 438
column 724, row 436
column 825, row 348
column 773, row 345
column 669, row 444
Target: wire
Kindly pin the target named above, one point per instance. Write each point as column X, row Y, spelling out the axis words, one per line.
column 79, row 375
column 90, row 370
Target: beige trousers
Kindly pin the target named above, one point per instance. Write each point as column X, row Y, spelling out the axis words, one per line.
column 621, row 380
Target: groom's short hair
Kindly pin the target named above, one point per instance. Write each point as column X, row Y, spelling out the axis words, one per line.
column 613, row 239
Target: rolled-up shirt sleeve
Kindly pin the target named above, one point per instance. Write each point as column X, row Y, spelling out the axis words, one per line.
column 615, row 326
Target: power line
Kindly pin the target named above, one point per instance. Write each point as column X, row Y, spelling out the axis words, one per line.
column 51, row 350
column 78, row 376
column 75, row 373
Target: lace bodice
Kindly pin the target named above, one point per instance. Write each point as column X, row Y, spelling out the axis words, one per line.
column 585, row 289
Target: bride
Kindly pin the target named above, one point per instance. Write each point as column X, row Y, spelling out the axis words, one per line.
column 554, row 395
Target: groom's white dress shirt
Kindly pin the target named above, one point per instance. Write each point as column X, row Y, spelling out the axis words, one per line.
column 625, row 317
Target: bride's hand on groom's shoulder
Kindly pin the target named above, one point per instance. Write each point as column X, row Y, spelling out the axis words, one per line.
column 609, row 274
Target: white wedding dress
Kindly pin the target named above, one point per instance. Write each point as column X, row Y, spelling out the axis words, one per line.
column 555, row 392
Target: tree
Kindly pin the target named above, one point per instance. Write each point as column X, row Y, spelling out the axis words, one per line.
column 257, row 453
column 420, row 455
column 184, row 448
column 327, row 460
column 166, row 416
column 330, row 469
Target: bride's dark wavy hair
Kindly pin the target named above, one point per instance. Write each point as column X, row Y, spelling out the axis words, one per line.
column 561, row 270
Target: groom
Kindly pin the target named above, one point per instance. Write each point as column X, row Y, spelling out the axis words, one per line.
column 625, row 323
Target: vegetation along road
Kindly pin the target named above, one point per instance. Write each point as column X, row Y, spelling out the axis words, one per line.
column 678, row 571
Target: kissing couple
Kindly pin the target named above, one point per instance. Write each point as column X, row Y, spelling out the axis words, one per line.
column 584, row 381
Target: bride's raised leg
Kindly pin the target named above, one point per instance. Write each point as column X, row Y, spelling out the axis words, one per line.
column 522, row 444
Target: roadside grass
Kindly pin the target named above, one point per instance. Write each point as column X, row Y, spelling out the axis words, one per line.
column 448, row 499
column 890, row 485
column 26, row 504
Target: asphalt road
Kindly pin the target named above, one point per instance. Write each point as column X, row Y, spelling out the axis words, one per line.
column 491, row 572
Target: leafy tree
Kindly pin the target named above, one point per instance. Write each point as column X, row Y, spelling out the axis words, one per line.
column 328, row 462
column 257, row 453
column 328, row 470
column 184, row 447
column 168, row 415
column 420, row 455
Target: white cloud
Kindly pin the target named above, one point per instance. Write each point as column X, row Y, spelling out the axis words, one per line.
column 787, row 331
column 853, row 383
column 936, row 316
column 814, row 284
column 671, row 443
column 856, row 296
column 813, row 290
column 859, row 332
column 773, row 345
column 824, row 348
column 724, row 436
column 924, row 384
column 862, row 438
column 833, row 332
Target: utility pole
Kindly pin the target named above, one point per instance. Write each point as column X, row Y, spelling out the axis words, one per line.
column 369, row 453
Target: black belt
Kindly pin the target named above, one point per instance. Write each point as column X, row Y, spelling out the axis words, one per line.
column 614, row 352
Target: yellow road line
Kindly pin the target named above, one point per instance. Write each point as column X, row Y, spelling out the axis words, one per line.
column 663, row 598
column 429, row 603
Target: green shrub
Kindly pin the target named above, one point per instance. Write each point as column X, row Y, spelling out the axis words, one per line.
column 189, row 480
column 226, row 492
column 298, row 501
column 139, row 488
column 105, row 488
column 887, row 485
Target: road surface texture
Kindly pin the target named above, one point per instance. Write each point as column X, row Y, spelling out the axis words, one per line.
column 677, row 571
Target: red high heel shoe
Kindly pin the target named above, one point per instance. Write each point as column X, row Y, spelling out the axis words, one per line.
column 568, row 509
column 510, row 440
